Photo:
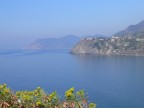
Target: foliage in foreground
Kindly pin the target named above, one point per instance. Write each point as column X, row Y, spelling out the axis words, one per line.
column 40, row 99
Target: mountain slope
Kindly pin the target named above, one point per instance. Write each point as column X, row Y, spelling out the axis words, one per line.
column 133, row 30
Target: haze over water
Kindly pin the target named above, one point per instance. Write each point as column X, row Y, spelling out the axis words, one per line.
column 22, row 22
column 111, row 81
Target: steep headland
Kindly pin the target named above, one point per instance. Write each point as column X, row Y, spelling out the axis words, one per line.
column 126, row 42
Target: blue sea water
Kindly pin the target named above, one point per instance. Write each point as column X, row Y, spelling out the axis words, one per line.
column 110, row 81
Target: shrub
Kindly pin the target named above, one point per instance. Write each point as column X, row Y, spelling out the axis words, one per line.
column 38, row 98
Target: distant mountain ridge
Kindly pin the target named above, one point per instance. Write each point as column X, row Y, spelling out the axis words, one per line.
column 65, row 42
column 133, row 31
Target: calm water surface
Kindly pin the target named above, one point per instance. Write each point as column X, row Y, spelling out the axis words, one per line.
column 111, row 82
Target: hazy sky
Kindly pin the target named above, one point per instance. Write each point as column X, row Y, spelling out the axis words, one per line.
column 22, row 21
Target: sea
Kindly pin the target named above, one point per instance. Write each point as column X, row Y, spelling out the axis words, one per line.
column 108, row 81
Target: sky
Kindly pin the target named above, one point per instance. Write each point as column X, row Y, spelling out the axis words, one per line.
column 23, row 21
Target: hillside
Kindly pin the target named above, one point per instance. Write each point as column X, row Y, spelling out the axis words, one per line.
column 133, row 31
column 126, row 42
column 66, row 42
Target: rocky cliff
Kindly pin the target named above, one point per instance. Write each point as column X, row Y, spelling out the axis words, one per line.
column 127, row 42
column 110, row 46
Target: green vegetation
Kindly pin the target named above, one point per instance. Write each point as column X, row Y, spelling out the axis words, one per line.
column 40, row 99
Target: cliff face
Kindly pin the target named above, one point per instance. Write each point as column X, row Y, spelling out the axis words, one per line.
column 126, row 42
column 92, row 46
column 110, row 46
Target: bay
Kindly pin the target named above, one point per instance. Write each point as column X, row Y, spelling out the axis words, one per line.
column 110, row 81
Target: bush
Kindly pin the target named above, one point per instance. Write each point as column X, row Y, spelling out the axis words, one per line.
column 38, row 98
